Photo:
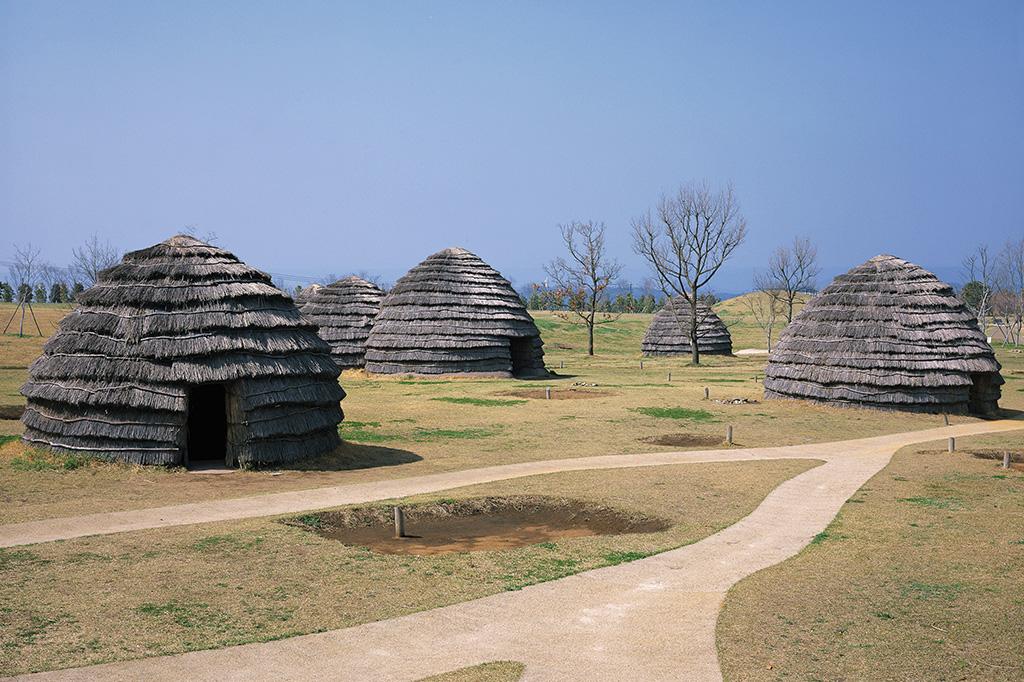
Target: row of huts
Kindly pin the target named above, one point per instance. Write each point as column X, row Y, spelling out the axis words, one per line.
column 182, row 353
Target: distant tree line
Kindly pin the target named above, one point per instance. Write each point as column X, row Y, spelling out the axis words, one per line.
column 539, row 297
column 994, row 288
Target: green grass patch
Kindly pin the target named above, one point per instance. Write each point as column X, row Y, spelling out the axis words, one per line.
column 616, row 558
column 820, row 538
column 226, row 542
column 424, row 435
column 37, row 460
column 928, row 591
column 676, row 413
column 5, row 439
column 311, row 520
column 480, row 402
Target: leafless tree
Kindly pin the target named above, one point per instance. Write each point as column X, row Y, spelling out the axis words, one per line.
column 979, row 269
column 24, row 270
column 792, row 272
column 1007, row 298
column 688, row 239
column 91, row 258
column 582, row 281
column 765, row 307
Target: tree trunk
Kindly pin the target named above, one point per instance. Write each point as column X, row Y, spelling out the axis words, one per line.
column 694, row 351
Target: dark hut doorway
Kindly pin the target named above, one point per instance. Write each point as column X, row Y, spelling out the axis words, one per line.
column 521, row 350
column 207, row 427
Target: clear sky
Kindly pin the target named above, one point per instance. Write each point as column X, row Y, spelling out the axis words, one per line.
column 318, row 137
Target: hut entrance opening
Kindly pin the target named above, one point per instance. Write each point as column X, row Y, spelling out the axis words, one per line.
column 521, row 349
column 207, row 427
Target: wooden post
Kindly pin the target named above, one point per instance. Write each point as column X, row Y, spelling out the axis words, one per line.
column 1006, row 459
column 670, row 376
column 641, row 364
column 952, row 444
column 547, row 393
column 399, row 523
column 707, row 393
column 945, row 418
column 561, row 364
column 728, row 434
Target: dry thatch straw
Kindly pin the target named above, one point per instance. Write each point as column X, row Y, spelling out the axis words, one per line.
column 168, row 324
column 669, row 333
column 453, row 314
column 344, row 313
column 887, row 334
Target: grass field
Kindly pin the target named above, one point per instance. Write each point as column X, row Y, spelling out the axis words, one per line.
column 168, row 590
column 919, row 577
column 926, row 543
column 399, row 426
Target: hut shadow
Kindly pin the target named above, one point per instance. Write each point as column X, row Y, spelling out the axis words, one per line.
column 1007, row 413
column 349, row 456
column 551, row 376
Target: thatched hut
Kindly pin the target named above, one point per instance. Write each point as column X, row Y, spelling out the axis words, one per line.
column 887, row 334
column 669, row 333
column 179, row 354
column 453, row 314
column 344, row 312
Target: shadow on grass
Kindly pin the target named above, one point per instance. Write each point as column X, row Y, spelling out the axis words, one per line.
column 351, row 455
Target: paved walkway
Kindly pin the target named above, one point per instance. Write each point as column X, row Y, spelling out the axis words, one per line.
column 652, row 619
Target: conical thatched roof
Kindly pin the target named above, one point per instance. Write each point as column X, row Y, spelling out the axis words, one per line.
column 170, row 322
column 453, row 313
column 887, row 334
column 344, row 313
column 669, row 333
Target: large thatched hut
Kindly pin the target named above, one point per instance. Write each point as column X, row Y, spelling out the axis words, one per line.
column 179, row 354
column 344, row 312
column 452, row 314
column 887, row 334
column 669, row 333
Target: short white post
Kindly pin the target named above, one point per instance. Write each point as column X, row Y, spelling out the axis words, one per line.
column 952, row 444
column 547, row 393
column 707, row 393
column 1006, row 459
column 399, row 523
column 728, row 434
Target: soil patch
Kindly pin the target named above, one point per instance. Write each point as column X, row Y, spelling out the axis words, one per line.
column 558, row 393
column 682, row 440
column 11, row 411
column 1016, row 456
column 487, row 523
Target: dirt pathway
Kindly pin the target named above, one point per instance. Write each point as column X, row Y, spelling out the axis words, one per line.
column 651, row 619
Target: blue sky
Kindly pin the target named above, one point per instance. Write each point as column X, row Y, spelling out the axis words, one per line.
column 335, row 137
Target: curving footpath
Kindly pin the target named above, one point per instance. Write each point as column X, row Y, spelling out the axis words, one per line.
column 652, row 619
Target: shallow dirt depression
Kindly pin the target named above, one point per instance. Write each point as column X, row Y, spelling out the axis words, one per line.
column 556, row 393
column 473, row 525
column 683, row 440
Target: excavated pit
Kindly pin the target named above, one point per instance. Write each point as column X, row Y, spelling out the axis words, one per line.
column 474, row 525
column 683, row 440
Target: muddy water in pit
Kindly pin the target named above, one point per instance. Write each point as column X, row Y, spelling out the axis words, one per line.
column 498, row 529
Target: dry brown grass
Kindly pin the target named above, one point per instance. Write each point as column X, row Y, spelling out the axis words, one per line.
column 919, row 577
column 495, row 671
column 169, row 590
column 400, row 426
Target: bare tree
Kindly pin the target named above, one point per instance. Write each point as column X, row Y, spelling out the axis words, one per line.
column 1007, row 300
column 694, row 232
column 583, row 280
column 91, row 258
column 979, row 270
column 792, row 272
column 765, row 307
column 24, row 269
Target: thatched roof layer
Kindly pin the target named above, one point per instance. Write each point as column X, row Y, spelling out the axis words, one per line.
column 669, row 333
column 344, row 313
column 887, row 334
column 114, row 379
column 452, row 314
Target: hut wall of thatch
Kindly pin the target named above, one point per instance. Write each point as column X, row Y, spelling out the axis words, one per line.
column 454, row 314
column 115, row 380
column 669, row 332
column 887, row 334
column 343, row 313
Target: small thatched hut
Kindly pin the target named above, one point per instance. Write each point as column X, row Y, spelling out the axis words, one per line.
column 669, row 333
column 179, row 354
column 344, row 313
column 887, row 334
column 452, row 314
